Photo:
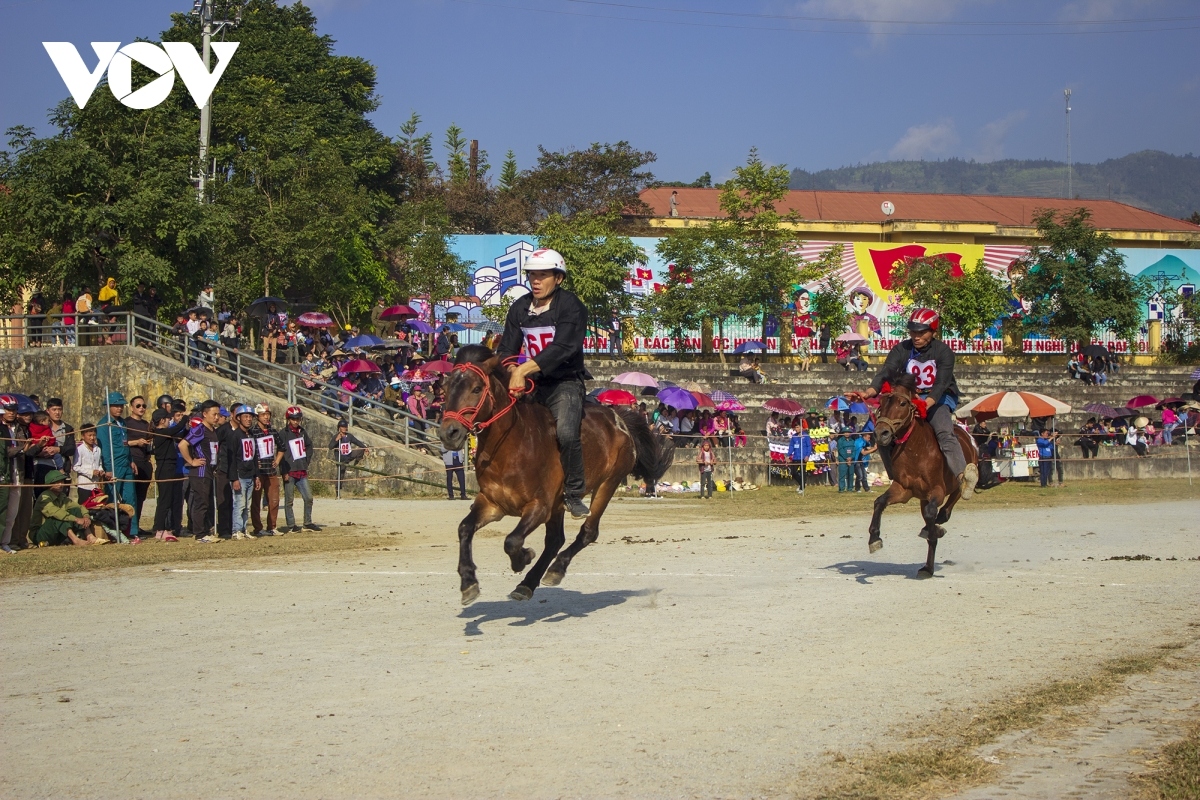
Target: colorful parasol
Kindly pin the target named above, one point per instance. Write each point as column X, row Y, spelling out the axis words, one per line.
column 783, row 405
column 616, row 397
column 1013, row 404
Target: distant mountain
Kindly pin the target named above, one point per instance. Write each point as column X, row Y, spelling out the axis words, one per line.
column 1151, row 179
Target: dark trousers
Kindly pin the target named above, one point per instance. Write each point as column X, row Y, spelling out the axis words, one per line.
column 1089, row 447
column 1045, row 466
column 141, row 473
column 860, row 477
column 224, row 504
column 461, row 472
column 200, row 505
column 565, row 401
column 706, row 483
column 168, row 512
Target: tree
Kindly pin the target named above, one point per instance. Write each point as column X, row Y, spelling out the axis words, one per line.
column 598, row 261
column 830, row 305
column 456, row 160
column 508, row 171
column 703, row 286
column 600, row 181
column 969, row 302
column 1075, row 280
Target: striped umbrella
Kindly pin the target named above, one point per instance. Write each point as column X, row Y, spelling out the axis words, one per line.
column 726, row 402
column 1013, row 404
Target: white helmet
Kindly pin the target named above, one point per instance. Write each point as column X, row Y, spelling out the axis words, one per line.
column 546, row 259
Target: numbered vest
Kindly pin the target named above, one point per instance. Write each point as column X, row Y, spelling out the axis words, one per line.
column 924, row 371
column 247, row 449
column 298, row 449
column 345, row 448
column 537, row 339
column 265, row 446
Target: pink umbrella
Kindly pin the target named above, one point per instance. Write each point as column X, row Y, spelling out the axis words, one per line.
column 616, row 397
column 398, row 312
column 314, row 319
column 440, row 365
column 783, row 405
column 417, row 376
column 852, row 339
column 358, row 365
column 730, row 405
column 636, row 379
column 1142, row 400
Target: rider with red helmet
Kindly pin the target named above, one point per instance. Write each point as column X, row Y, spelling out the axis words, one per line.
column 931, row 362
column 549, row 324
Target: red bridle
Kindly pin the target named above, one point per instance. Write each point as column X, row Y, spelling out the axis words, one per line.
column 472, row 424
column 893, row 424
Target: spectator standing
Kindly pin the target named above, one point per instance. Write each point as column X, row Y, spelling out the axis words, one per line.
column 453, row 459
column 706, row 459
column 441, row 345
column 296, row 450
column 383, row 328
column 799, row 450
column 805, row 353
column 418, row 406
column 861, row 443
column 222, row 490
column 59, row 453
column 674, row 204
column 1169, row 420
column 844, row 445
column 141, row 448
column 200, row 449
column 241, row 465
column 109, row 297
column 68, row 320
column 206, row 298
column 1045, row 446
column 113, row 437
column 169, row 427
column 823, row 339
column 270, row 337
column 266, row 447
column 87, row 464
column 13, row 441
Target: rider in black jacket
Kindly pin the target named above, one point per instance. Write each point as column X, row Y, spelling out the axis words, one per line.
column 549, row 323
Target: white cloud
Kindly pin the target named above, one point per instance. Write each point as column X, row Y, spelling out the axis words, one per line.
column 926, row 141
column 992, row 135
column 871, row 11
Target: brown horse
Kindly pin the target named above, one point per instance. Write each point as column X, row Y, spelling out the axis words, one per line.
column 916, row 465
column 519, row 472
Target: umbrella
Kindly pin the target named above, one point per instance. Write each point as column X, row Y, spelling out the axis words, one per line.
column 1014, row 404
column 418, row 376
column 648, row 391
column 455, row 327
column 487, row 326
column 703, row 400
column 730, row 405
column 721, row 396
column 398, row 312
column 419, row 326
column 440, row 365
column 1171, row 401
column 1095, row 351
column 315, row 319
column 1195, row 375
column 259, row 306
column 1104, row 412
column 616, row 397
column 1142, row 400
column 358, row 365
column 636, row 379
column 858, row 408
column 363, row 340
column 24, row 404
column 201, row 311
column 750, row 347
column 692, row 386
column 838, row 404
column 852, row 338
column 783, row 405
column 677, row 398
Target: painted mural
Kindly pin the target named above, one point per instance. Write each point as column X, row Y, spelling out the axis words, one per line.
column 499, row 260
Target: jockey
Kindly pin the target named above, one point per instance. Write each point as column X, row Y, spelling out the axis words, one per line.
column 931, row 362
column 549, row 323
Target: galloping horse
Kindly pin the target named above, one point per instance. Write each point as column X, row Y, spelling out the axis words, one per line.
column 915, row 464
column 519, row 472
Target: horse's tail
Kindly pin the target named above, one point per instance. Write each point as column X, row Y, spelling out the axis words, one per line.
column 654, row 453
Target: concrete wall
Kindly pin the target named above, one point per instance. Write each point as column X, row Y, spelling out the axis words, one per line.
column 80, row 375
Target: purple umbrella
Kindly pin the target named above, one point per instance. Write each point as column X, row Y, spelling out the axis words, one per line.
column 419, row 326
column 677, row 398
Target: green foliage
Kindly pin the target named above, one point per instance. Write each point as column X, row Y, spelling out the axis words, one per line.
column 598, row 260
column 354, row 279
column 1075, row 281
column 498, row 313
column 600, row 181
column 968, row 303
column 830, row 303
column 707, row 256
column 508, row 171
column 456, row 160
column 416, row 145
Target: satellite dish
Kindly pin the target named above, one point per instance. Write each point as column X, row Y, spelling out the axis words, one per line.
column 887, row 208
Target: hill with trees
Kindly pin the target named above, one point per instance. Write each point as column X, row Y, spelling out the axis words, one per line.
column 1150, row 179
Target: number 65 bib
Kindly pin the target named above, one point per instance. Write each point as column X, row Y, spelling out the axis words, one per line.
column 537, row 339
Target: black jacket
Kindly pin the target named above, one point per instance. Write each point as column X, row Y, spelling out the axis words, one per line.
column 238, row 459
column 296, row 447
column 553, row 339
column 933, row 368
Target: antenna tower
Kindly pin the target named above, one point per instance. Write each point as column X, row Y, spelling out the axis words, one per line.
column 1070, row 188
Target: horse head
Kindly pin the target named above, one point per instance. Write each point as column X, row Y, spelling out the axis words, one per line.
column 897, row 412
column 475, row 391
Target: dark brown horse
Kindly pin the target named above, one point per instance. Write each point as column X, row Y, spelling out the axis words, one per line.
column 916, row 465
column 519, row 472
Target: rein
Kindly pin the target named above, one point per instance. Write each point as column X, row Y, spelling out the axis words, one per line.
column 894, row 424
column 473, row 424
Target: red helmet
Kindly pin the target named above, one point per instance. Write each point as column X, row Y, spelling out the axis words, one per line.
column 294, row 413
column 924, row 319
column 8, row 402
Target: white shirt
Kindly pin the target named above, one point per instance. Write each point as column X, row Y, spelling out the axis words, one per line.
column 87, row 461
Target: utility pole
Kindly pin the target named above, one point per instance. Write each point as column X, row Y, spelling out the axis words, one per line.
column 1067, row 97
column 473, row 161
column 208, row 26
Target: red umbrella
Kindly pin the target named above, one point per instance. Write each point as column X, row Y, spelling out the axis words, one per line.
column 398, row 312
column 703, row 400
column 1142, row 400
column 358, row 365
column 616, row 397
column 1171, row 401
column 314, row 319
column 440, row 365
column 783, row 405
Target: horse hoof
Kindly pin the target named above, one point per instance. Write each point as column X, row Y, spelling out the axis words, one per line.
column 522, row 592
column 530, row 555
column 940, row 531
column 875, row 545
column 552, row 578
column 924, row 534
column 924, row 573
column 470, row 594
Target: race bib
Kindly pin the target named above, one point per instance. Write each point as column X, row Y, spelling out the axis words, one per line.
column 537, row 339
column 344, row 448
column 212, row 452
column 297, row 448
column 266, row 446
column 924, row 371
column 247, row 449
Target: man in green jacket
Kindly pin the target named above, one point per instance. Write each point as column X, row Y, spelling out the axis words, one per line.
column 56, row 518
column 113, row 438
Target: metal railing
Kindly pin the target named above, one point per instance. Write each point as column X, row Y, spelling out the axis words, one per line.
column 128, row 329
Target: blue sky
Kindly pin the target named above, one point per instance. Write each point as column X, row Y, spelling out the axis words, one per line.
column 811, row 83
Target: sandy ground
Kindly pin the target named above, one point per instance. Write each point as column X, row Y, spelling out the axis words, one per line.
column 719, row 660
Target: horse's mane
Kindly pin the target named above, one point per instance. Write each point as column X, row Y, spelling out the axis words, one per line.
column 902, row 379
column 479, row 354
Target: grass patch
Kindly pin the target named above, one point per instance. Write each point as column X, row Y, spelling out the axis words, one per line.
column 944, row 757
column 1176, row 775
column 61, row 560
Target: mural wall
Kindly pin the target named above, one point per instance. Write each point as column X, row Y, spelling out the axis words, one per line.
column 866, row 268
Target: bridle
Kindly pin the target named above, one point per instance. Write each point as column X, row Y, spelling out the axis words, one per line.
column 469, row 417
column 895, row 424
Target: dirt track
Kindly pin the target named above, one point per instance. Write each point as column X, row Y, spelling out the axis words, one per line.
column 694, row 665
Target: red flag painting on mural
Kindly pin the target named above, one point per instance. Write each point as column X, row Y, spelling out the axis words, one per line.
column 884, row 260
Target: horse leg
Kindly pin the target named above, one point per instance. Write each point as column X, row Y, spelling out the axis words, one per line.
column 931, row 533
column 555, row 538
column 894, row 494
column 514, row 544
column 588, row 533
column 482, row 512
column 944, row 515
